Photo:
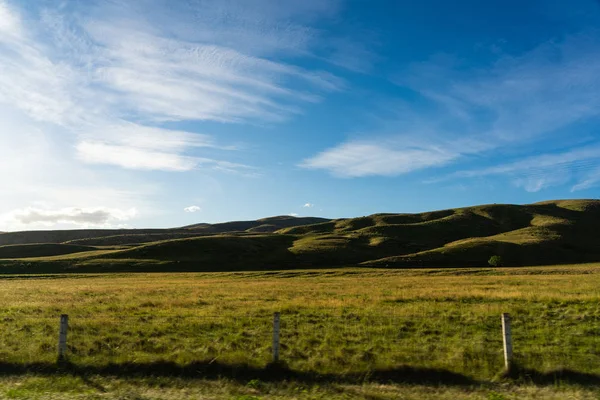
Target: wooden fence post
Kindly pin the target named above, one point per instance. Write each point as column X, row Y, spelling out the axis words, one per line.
column 62, row 337
column 507, row 338
column 276, row 317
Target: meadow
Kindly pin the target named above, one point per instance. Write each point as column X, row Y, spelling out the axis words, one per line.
column 345, row 333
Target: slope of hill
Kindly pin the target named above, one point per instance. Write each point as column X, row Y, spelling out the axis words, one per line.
column 63, row 236
column 41, row 250
column 270, row 224
column 551, row 232
column 115, row 237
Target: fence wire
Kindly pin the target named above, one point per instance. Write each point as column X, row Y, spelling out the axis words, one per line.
column 320, row 342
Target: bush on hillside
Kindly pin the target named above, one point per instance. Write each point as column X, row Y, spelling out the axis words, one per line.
column 495, row 261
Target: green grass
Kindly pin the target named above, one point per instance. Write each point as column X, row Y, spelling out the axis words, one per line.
column 346, row 333
column 343, row 321
column 158, row 388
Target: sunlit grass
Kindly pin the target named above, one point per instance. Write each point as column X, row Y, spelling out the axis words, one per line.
column 333, row 321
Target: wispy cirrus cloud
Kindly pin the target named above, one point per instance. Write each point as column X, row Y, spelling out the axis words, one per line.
column 589, row 180
column 542, row 171
column 466, row 112
column 152, row 138
column 364, row 158
column 134, row 146
column 534, row 184
column 199, row 68
column 572, row 159
column 94, row 84
column 199, row 81
column 85, row 69
column 132, row 157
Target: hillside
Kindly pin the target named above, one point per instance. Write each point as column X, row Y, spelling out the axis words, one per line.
column 551, row 232
column 270, row 224
column 115, row 237
column 41, row 250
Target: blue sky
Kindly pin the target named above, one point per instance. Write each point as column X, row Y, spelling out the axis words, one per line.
column 161, row 114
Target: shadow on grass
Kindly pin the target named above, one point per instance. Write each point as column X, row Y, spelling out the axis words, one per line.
column 527, row 375
column 240, row 372
column 280, row 372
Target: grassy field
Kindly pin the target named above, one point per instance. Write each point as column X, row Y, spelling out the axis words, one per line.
column 346, row 333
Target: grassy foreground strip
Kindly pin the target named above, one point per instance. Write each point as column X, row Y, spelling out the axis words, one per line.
column 101, row 387
column 372, row 332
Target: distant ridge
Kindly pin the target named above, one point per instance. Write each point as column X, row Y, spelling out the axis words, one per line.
column 103, row 237
column 550, row 232
column 270, row 224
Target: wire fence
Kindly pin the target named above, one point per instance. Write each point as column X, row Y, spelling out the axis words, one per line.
column 316, row 342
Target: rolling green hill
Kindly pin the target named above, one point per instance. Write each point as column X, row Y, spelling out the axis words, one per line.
column 41, row 250
column 551, row 232
column 72, row 236
column 270, row 224
column 115, row 237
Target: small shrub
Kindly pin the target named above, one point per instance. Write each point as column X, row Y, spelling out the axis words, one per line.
column 255, row 384
column 496, row 261
column 495, row 396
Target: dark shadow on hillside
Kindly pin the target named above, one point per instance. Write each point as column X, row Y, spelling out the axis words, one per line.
column 239, row 372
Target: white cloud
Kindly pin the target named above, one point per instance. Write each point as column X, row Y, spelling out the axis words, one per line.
column 590, row 180
column 30, row 81
column 230, row 167
column 132, row 157
column 474, row 111
column 10, row 24
column 179, row 79
column 524, row 96
column 38, row 171
column 91, row 217
column 192, row 209
column 85, row 85
column 552, row 163
column 256, row 27
column 540, row 172
column 104, row 77
column 138, row 158
column 535, row 184
column 147, row 137
column 308, row 205
column 293, row 214
column 133, row 146
column 363, row 158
